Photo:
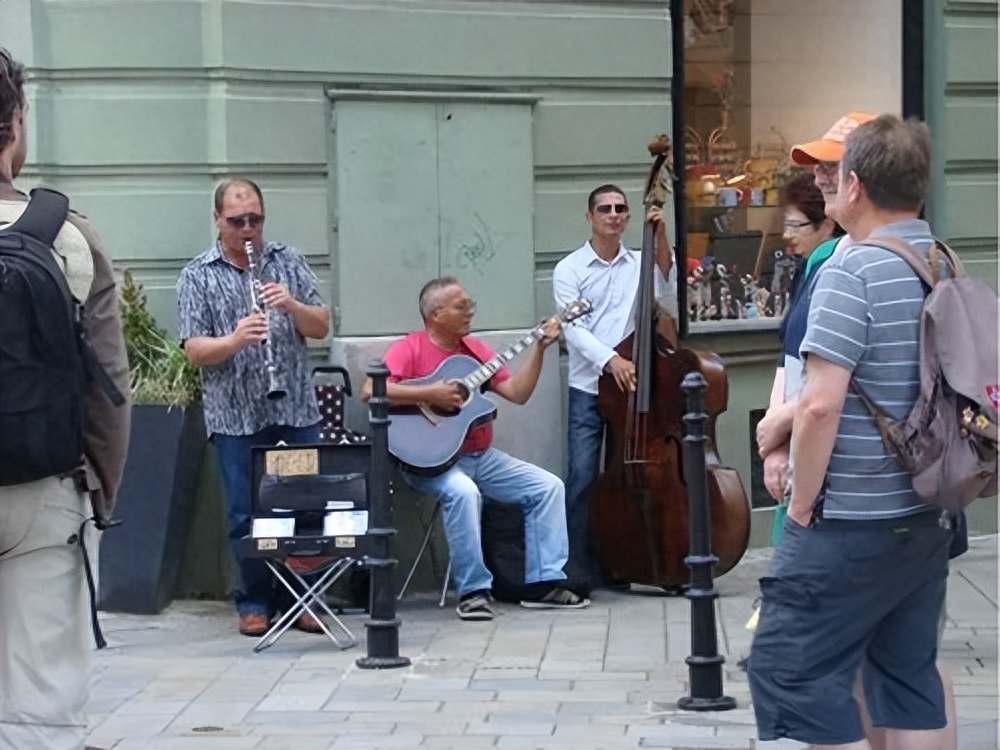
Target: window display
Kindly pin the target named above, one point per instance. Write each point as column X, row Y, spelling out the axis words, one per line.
column 756, row 81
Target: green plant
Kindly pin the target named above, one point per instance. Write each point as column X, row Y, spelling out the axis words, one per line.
column 160, row 373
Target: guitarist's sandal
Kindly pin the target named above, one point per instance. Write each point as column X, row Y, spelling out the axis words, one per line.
column 426, row 440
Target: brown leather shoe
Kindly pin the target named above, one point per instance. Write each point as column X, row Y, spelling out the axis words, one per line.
column 254, row 625
column 307, row 623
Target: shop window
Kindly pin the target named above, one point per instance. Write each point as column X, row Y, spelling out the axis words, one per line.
column 760, row 76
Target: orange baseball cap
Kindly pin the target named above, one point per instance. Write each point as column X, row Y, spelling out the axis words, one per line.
column 831, row 146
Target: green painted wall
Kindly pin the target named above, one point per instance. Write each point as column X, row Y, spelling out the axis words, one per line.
column 961, row 101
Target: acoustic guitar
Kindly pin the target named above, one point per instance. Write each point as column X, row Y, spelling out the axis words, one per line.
column 427, row 440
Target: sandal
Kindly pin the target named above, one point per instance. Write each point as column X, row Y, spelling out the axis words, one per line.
column 557, row 598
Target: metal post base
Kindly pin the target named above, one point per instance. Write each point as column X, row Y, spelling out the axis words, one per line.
column 382, row 662
column 722, row 703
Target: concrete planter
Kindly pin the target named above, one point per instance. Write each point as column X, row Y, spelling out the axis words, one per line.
column 140, row 560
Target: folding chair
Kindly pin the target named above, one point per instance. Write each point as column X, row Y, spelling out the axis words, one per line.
column 309, row 508
column 420, row 554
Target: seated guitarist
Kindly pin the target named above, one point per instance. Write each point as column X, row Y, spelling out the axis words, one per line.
column 482, row 471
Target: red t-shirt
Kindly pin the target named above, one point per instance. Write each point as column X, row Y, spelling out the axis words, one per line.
column 416, row 355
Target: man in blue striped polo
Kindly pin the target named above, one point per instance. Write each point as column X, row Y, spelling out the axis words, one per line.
column 858, row 580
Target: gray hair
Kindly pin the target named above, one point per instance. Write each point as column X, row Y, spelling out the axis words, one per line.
column 892, row 159
column 430, row 294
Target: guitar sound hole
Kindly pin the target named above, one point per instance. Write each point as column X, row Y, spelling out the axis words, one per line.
column 466, row 396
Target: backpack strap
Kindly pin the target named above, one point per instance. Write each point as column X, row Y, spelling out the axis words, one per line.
column 925, row 268
column 44, row 216
column 43, row 219
column 97, row 373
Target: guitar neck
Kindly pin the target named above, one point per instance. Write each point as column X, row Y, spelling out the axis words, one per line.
column 480, row 375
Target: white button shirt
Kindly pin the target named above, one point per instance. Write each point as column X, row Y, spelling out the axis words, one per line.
column 611, row 287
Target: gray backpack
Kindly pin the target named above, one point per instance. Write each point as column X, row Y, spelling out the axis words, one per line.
column 948, row 443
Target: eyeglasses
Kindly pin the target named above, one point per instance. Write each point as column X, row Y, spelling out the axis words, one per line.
column 828, row 167
column 465, row 306
column 794, row 226
column 606, row 208
column 238, row 222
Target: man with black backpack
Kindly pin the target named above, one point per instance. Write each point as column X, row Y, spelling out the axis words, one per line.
column 858, row 580
column 64, row 422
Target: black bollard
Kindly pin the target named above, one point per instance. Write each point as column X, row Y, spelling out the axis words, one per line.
column 705, row 662
column 382, row 627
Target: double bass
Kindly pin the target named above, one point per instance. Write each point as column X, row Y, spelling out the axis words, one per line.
column 639, row 510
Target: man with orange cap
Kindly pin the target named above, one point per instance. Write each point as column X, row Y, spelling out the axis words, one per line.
column 824, row 155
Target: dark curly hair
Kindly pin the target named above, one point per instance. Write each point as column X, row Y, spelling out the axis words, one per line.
column 801, row 193
column 11, row 94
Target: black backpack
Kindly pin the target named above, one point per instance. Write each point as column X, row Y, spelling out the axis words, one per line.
column 45, row 360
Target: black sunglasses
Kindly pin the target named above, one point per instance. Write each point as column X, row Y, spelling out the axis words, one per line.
column 605, row 208
column 238, row 222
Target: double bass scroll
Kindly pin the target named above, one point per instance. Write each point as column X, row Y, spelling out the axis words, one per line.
column 639, row 509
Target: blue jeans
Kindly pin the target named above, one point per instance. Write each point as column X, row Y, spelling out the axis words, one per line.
column 257, row 592
column 585, row 436
column 505, row 479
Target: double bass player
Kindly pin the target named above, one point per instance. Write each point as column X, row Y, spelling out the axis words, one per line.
column 607, row 273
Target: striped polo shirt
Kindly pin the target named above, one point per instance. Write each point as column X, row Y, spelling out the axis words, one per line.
column 865, row 317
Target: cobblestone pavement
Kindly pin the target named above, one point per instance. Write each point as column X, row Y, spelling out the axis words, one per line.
column 605, row 677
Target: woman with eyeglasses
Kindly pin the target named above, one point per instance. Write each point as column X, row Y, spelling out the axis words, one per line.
column 812, row 236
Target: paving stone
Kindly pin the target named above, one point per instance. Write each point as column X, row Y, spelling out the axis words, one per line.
column 349, row 693
column 521, row 683
column 211, row 713
column 396, row 708
column 375, row 742
column 430, row 692
column 206, row 742
column 558, row 743
column 150, row 706
column 289, row 741
column 603, row 676
column 679, row 733
column 133, row 725
column 465, row 742
column 326, row 729
column 978, row 735
column 705, row 743
column 515, row 727
column 295, row 700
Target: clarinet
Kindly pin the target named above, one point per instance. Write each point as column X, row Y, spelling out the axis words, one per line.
column 274, row 388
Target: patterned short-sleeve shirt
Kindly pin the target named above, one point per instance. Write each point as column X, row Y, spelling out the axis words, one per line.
column 213, row 295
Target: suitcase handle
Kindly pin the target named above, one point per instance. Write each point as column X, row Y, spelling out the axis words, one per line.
column 335, row 369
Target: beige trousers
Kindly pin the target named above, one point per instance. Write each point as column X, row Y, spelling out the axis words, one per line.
column 46, row 644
